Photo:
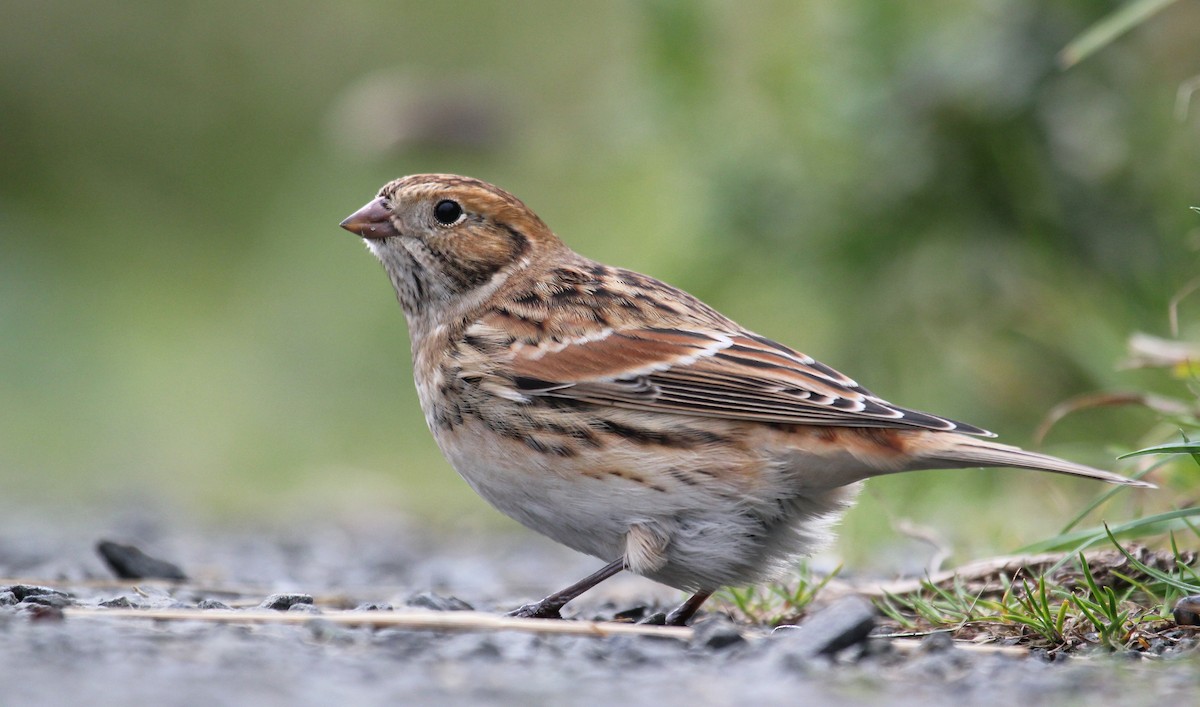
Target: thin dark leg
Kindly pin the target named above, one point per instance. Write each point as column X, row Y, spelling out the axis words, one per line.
column 548, row 607
column 681, row 614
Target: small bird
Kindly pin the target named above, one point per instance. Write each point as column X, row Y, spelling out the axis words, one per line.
column 623, row 417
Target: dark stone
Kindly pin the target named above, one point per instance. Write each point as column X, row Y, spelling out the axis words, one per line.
column 844, row 623
column 129, row 562
column 117, row 603
column 429, row 600
column 658, row 618
column 716, row 632
column 1187, row 611
column 634, row 615
column 284, row 602
column 938, row 642
column 211, row 604
column 24, row 591
column 58, row 601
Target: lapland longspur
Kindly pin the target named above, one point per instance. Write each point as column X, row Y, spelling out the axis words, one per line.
column 625, row 418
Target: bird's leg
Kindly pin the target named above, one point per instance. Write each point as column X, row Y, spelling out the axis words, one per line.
column 680, row 615
column 548, row 607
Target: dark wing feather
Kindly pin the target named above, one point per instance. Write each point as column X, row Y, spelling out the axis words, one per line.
column 734, row 375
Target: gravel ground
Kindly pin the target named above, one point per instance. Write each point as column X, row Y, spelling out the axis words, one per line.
column 48, row 658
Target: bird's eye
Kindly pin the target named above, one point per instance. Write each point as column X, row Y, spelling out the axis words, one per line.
column 447, row 212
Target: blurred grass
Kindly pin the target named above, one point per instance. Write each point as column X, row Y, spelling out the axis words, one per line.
column 914, row 193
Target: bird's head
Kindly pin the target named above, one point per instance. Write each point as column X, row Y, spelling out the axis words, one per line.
column 444, row 239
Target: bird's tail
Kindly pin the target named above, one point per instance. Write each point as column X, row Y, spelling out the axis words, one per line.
column 962, row 451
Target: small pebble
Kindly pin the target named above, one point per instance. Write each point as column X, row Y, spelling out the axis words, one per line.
column 716, row 632
column 1187, row 611
column 939, row 642
column 58, row 601
column 24, row 591
column 211, row 604
column 129, row 562
column 429, row 600
column 634, row 615
column 830, row 630
column 284, row 602
column 117, row 603
column 373, row 606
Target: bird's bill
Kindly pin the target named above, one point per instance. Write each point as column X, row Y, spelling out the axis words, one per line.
column 372, row 221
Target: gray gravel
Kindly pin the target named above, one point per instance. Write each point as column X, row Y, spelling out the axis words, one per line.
column 377, row 565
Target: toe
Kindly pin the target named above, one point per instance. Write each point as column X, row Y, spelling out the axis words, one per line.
column 536, row 611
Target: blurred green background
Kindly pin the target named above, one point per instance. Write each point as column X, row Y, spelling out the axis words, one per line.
column 915, row 193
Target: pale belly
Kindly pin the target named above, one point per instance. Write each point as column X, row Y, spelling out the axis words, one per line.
column 727, row 513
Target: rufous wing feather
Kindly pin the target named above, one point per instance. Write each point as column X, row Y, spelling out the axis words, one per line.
column 727, row 374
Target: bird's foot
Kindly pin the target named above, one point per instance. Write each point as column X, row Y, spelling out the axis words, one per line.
column 677, row 618
column 680, row 615
column 538, row 610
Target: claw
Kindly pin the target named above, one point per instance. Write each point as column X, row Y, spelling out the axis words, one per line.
column 537, row 610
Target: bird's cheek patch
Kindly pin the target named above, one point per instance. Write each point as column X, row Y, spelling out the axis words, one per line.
column 480, row 259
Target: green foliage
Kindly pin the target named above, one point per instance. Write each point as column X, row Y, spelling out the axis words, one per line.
column 1033, row 609
column 1104, row 610
column 934, row 605
column 776, row 602
column 1184, row 447
column 1065, row 608
column 1183, row 581
column 1061, row 609
column 1157, row 524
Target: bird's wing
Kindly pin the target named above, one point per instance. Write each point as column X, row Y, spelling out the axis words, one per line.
column 727, row 374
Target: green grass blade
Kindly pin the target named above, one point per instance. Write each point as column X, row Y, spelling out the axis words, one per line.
column 1083, row 539
column 1102, row 33
column 1157, row 574
column 1191, row 448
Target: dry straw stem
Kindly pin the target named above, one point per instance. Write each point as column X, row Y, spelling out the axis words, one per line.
column 987, row 571
column 420, row 621
column 457, row 621
column 906, row 646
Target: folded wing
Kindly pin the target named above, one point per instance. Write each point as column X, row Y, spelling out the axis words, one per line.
column 733, row 375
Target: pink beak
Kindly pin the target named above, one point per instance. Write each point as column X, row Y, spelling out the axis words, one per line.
column 373, row 221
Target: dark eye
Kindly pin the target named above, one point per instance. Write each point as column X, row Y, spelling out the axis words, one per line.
column 447, row 212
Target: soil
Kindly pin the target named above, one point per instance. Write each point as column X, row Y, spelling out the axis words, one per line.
column 57, row 645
